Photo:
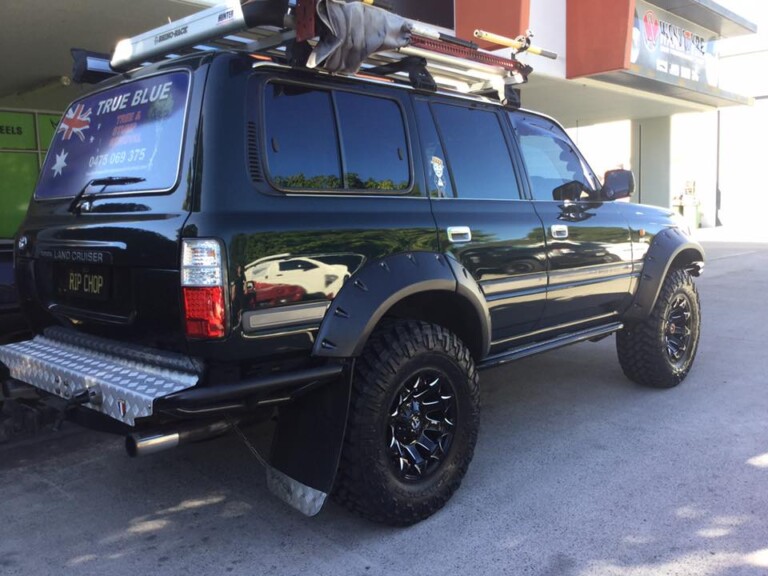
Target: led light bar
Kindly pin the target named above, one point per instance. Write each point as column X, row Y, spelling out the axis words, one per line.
column 227, row 18
column 90, row 67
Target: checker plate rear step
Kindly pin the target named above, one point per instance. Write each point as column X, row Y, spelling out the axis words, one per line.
column 123, row 381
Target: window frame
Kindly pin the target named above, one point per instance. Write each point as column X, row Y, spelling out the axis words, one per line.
column 134, row 190
column 510, row 145
column 263, row 86
column 588, row 171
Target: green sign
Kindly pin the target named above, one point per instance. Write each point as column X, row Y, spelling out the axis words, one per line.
column 19, row 170
column 19, row 174
column 46, row 127
column 17, row 131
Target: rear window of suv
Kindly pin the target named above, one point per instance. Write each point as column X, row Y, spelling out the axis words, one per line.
column 131, row 130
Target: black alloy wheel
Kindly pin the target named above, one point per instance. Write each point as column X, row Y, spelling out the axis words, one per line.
column 677, row 329
column 422, row 423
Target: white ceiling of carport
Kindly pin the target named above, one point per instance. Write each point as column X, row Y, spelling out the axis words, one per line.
column 37, row 36
column 584, row 102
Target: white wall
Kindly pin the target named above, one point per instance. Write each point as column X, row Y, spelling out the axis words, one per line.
column 694, row 160
column 651, row 158
column 745, row 73
column 743, row 166
column 744, row 58
column 743, row 152
column 606, row 146
column 548, row 27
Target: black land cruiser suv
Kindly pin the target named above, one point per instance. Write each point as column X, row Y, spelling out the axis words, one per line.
column 216, row 239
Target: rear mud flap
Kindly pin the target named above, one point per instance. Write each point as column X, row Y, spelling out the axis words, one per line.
column 307, row 444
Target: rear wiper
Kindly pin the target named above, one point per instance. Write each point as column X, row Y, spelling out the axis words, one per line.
column 104, row 183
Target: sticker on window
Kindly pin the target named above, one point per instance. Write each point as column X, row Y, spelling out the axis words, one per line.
column 438, row 169
column 132, row 130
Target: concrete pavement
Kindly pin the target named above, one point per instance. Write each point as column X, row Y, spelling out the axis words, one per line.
column 577, row 472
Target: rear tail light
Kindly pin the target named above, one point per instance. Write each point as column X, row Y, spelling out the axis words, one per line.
column 202, row 281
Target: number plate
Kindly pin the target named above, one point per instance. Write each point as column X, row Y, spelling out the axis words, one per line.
column 90, row 282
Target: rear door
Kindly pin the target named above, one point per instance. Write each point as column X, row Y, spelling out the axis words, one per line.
column 587, row 241
column 103, row 255
column 481, row 215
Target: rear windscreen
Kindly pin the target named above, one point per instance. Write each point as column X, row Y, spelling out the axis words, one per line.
column 134, row 129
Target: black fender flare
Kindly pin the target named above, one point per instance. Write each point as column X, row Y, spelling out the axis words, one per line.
column 372, row 291
column 668, row 246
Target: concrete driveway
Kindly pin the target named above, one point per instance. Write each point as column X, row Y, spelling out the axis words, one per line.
column 577, row 472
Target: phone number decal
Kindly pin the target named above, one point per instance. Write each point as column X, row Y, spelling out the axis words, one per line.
column 117, row 158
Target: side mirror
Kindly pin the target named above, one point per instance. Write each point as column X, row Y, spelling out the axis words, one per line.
column 568, row 191
column 618, row 184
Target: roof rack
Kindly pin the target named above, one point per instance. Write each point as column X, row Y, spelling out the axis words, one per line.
column 426, row 58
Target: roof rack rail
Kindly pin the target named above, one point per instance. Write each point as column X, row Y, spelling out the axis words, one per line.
column 294, row 33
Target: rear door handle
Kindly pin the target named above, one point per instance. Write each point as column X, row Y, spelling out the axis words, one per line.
column 459, row 234
column 559, row 231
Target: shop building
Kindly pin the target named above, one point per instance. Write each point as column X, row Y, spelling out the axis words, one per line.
column 636, row 82
column 638, row 85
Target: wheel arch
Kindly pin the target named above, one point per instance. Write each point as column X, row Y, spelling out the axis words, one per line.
column 419, row 285
column 447, row 309
column 670, row 250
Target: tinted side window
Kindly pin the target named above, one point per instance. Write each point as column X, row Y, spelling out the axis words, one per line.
column 328, row 140
column 478, row 156
column 374, row 144
column 302, row 144
column 438, row 181
column 550, row 158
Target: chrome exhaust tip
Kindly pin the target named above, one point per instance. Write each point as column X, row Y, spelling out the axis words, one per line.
column 153, row 441
column 145, row 444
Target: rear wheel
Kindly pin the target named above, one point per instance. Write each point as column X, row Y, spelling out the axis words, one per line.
column 413, row 423
column 659, row 352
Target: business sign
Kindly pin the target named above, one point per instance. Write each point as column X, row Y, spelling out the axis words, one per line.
column 435, row 12
column 24, row 136
column 46, row 128
column 17, row 131
column 672, row 50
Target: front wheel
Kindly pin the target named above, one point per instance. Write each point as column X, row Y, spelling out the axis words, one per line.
column 659, row 351
column 413, row 423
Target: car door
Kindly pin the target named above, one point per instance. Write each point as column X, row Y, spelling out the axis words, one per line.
column 481, row 216
column 588, row 242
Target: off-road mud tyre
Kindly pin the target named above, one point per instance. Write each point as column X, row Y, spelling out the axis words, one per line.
column 660, row 351
column 410, row 374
